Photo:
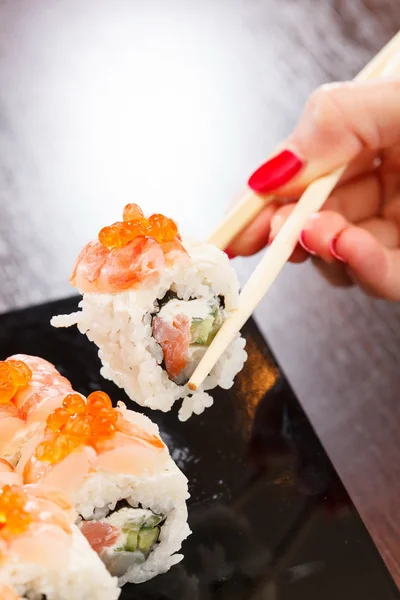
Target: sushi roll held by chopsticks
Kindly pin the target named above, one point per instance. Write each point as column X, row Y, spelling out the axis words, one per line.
column 153, row 303
column 42, row 553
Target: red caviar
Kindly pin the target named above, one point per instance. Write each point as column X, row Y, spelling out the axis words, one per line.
column 162, row 229
column 115, row 235
column 85, row 423
column 77, row 423
column 14, row 517
column 13, row 375
column 134, row 225
column 132, row 212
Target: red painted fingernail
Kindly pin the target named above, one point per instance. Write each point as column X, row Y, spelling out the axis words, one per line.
column 275, row 172
column 230, row 254
column 334, row 252
column 304, row 245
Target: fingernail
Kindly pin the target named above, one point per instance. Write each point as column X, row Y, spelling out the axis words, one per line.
column 334, row 252
column 276, row 172
column 230, row 254
column 304, row 245
column 270, row 239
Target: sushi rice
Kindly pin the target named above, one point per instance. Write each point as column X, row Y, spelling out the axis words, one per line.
column 121, row 325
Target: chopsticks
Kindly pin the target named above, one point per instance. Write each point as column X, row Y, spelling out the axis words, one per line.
column 241, row 214
column 250, row 204
column 283, row 245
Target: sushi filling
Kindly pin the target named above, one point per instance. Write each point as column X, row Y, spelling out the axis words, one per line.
column 184, row 329
column 125, row 537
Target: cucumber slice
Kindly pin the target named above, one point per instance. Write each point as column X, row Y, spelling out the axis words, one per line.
column 133, row 524
column 214, row 311
column 147, row 538
column 131, row 542
column 201, row 330
column 153, row 521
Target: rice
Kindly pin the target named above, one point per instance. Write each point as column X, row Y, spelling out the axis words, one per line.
column 83, row 578
column 121, row 326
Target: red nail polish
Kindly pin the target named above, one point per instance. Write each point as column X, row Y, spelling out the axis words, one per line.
column 304, row 245
column 334, row 252
column 230, row 254
column 275, row 172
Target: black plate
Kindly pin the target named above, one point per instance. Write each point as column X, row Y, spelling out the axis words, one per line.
column 270, row 517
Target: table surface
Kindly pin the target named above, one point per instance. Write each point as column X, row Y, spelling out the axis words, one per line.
column 172, row 104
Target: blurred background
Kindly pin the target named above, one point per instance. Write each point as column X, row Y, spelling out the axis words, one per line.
column 172, row 104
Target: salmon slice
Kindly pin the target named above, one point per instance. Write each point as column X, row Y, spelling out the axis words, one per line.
column 127, row 455
column 133, row 430
column 35, row 363
column 8, row 476
column 67, row 475
column 40, row 404
column 43, row 544
column 99, row 535
column 9, row 428
column 89, row 264
column 5, row 466
column 28, row 450
column 46, row 381
column 110, row 270
column 50, row 494
column 10, row 479
column 140, row 260
column 10, row 425
column 174, row 340
column 173, row 252
column 8, row 410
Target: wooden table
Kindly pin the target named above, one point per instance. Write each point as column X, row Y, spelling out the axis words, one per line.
column 172, row 104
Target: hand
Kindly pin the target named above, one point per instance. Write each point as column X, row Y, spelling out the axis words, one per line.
column 358, row 229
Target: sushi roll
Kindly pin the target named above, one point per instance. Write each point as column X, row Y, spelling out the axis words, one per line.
column 42, row 553
column 152, row 303
column 112, row 461
column 30, row 389
column 129, row 494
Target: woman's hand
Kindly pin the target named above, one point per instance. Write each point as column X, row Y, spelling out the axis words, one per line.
column 359, row 226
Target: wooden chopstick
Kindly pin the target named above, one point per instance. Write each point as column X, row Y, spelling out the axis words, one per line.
column 266, row 272
column 250, row 204
column 241, row 214
column 283, row 245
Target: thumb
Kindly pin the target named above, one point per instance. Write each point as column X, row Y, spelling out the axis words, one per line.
column 338, row 122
